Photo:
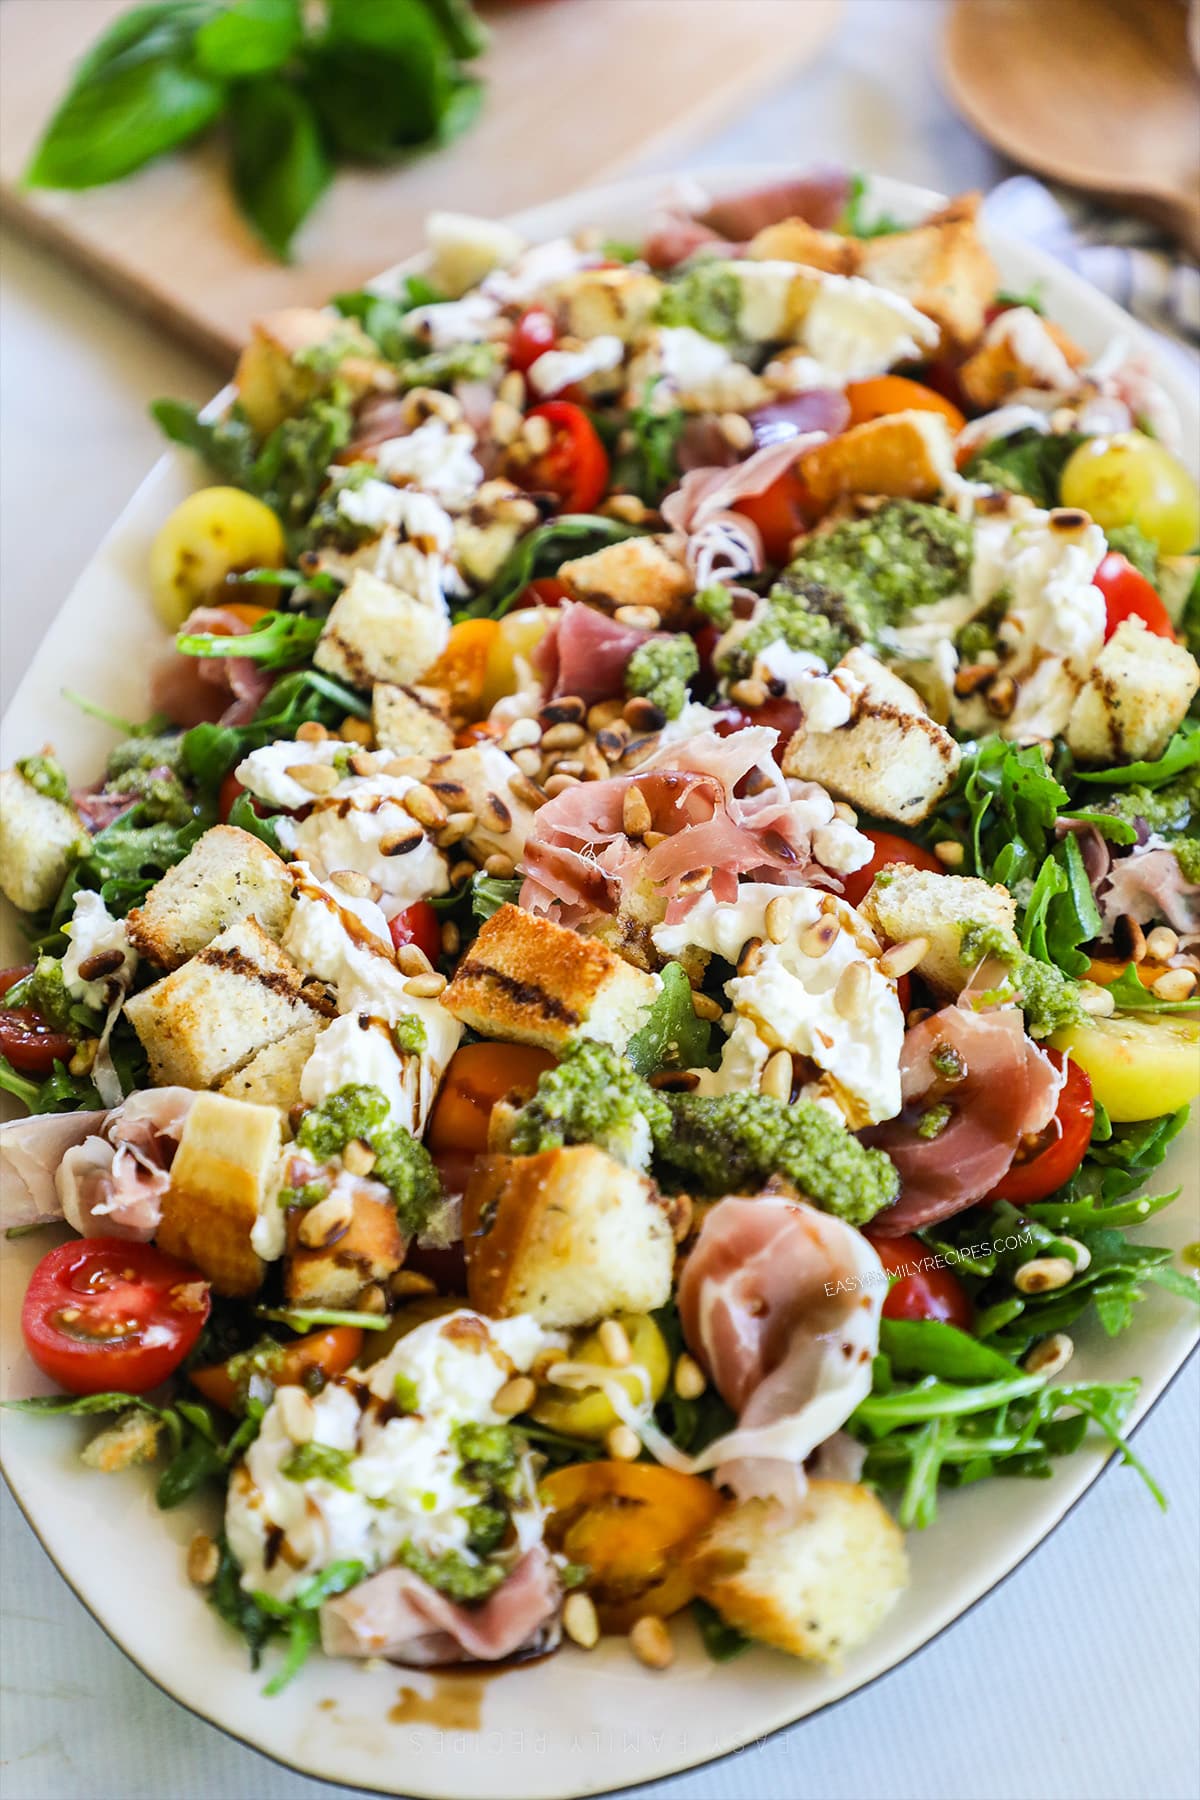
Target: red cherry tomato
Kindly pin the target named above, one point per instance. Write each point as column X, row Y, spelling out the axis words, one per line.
column 1128, row 595
column 101, row 1314
column 1040, row 1168
column 781, row 512
column 533, row 334
column 31, row 1046
column 417, row 924
column 545, row 591
column 888, row 849
column 783, row 715
column 575, row 467
column 920, row 1292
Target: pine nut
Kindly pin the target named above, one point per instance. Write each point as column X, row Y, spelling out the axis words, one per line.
column 902, row 958
column 819, row 937
column 641, row 714
column 690, row 1379
column 516, row 1396
column 777, row 1076
column 458, row 826
column 1176, row 984
column 636, row 816
column 626, row 507
column 512, row 389
column 580, row 1622
column 203, row 1560
column 1083, row 1255
column 651, row 1643
column 1051, row 1356
column 297, row 1414
column 568, row 709
column 412, row 960
column 311, row 733
column 1128, row 939
column 1001, row 697
column 614, row 1341
column 536, row 433
column 500, row 866
column 604, row 713
column 529, row 761
column 522, row 733
column 426, row 987
column 683, row 1217
column 355, row 883
column 326, row 1222
column 1162, row 943
column 705, row 1007
column 372, row 1299
column 641, row 618
column 406, row 1284
column 461, row 872
column 736, row 430
column 1043, row 1275
column 451, row 938
column 778, row 918
column 406, row 766
column 504, row 422
column 314, row 778
column 401, row 843
column 750, row 692
column 623, row 1444
column 652, row 839
column 563, row 737
column 1096, row 1001
column 950, row 854
column 527, row 791
column 356, row 731
column 358, row 1157
column 558, row 784
column 424, row 805
column 853, row 985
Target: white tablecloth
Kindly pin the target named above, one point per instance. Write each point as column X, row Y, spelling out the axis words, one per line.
column 1077, row 1679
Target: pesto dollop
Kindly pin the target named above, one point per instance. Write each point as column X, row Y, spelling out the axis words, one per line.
column 907, row 554
column 48, row 776
column 402, row 1164
column 1048, row 998
column 661, row 669
column 592, row 1097
column 708, row 299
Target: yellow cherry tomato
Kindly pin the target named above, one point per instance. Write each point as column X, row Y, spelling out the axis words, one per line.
column 519, row 635
column 216, row 532
column 588, row 1412
column 1131, row 480
column 1139, row 1067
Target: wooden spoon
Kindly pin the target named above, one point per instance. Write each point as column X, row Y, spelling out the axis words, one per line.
column 1099, row 94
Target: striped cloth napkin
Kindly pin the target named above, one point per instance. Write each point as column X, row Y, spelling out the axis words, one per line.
column 1127, row 258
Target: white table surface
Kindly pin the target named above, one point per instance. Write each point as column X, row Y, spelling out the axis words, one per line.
column 1077, row 1679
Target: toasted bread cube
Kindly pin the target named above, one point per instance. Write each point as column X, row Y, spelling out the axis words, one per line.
column 1020, row 350
column 225, row 876
column 635, row 572
column 487, row 529
column 906, row 455
column 815, row 1581
column 904, row 903
column 942, row 267
column 889, row 758
column 569, row 1236
column 272, row 1076
column 376, row 632
column 370, row 1249
column 209, row 1017
column 465, row 249
column 37, row 837
column 480, row 780
column 133, row 1439
column 795, row 240
column 272, row 385
column 414, row 720
column 221, row 1179
column 1135, row 698
column 607, row 302
column 530, row 981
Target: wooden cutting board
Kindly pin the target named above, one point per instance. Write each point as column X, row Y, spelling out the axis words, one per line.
column 576, row 91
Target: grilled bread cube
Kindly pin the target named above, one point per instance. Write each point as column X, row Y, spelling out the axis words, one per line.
column 942, row 267
column 490, row 525
column 816, row 1582
column 272, row 385
column 37, row 837
column 465, row 249
column 413, row 720
column 133, row 1439
column 1020, row 350
column 1135, row 698
column 368, row 1247
column 635, row 572
column 209, row 1017
column 376, row 632
column 607, row 302
column 569, row 1236
column 906, row 456
column 530, row 981
column 904, row 903
column 225, row 876
column 795, row 240
column 272, row 1076
column 222, row 1177
column 889, row 757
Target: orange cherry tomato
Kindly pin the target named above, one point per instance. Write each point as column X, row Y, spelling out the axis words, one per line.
column 781, row 512
column 1128, row 595
column 920, row 1292
column 477, row 1076
column 885, row 394
column 462, row 668
column 1104, row 970
column 630, row 1525
column 545, row 591
column 888, row 849
column 245, row 611
column 324, row 1352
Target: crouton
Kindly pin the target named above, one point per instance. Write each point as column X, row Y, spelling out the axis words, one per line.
column 607, row 302
column 226, row 875
column 133, row 1439
column 465, row 249
column 486, row 530
column 906, row 455
column 816, row 1581
column 942, row 267
column 377, row 632
column 889, row 757
column 272, row 384
column 415, row 720
column 203, row 1021
column 370, row 1247
column 569, row 1236
column 904, row 903
column 272, row 1076
column 480, row 780
column 37, row 838
column 795, row 240
column 635, row 572
column 530, row 981
column 222, row 1177
column 1135, row 698
column 1020, row 350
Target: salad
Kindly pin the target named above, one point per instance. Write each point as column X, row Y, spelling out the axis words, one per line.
column 604, row 1034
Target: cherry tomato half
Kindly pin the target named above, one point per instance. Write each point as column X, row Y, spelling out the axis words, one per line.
column 885, row 394
column 1128, row 595
column 921, row 1293
column 31, row 1046
column 101, row 1313
column 1041, row 1167
column 781, row 512
column 888, row 849
column 477, row 1076
column 783, row 715
column 417, row 924
column 533, row 334
column 326, row 1353
column 575, row 467
column 545, row 591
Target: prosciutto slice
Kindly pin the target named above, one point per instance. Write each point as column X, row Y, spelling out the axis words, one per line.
column 198, row 690
column 397, row 1615
column 1008, row 1088
column 1149, row 884
column 707, row 494
column 30, row 1153
column 105, row 1173
column 780, row 1303
column 585, row 652
column 723, row 227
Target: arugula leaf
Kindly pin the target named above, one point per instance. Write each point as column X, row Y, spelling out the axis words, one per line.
column 277, row 641
column 1129, row 995
column 674, row 1035
column 210, row 751
column 1183, row 752
column 1028, row 462
column 249, row 37
column 490, row 892
column 651, row 465
column 1061, row 913
column 722, row 1642
column 540, row 552
column 1013, row 801
column 854, row 223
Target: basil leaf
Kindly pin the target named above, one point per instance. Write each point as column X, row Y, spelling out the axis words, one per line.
column 251, row 37
column 1183, row 752
column 280, row 167
column 464, row 34
column 154, row 30
column 124, row 115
